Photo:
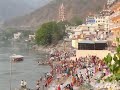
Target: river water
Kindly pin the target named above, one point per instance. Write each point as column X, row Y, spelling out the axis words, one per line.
column 27, row 70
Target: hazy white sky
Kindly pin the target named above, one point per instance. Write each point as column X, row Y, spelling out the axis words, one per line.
column 12, row 8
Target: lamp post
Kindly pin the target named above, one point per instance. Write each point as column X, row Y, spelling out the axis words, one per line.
column 10, row 73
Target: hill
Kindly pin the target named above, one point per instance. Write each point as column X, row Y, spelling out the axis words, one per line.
column 12, row 8
column 73, row 8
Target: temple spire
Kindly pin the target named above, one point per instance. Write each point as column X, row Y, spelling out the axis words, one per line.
column 62, row 13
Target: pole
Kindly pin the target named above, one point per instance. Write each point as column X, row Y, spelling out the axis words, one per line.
column 10, row 73
column 64, row 45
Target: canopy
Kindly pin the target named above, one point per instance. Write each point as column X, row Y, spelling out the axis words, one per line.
column 100, row 41
column 17, row 56
column 87, row 41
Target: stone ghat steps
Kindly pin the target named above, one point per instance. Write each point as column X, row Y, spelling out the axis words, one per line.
column 24, row 89
column 30, row 89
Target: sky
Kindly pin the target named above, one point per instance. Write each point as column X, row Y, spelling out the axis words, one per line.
column 13, row 8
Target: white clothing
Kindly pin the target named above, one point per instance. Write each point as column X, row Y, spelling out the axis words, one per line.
column 22, row 83
column 61, row 86
column 25, row 83
column 37, row 86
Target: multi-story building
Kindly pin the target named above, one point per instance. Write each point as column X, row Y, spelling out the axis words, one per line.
column 98, row 20
column 105, row 11
column 115, row 18
column 109, row 2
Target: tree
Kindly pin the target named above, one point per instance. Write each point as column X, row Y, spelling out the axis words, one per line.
column 8, row 33
column 50, row 33
column 113, row 62
column 76, row 21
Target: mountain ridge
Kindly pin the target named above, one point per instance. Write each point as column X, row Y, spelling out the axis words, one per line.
column 74, row 8
column 12, row 8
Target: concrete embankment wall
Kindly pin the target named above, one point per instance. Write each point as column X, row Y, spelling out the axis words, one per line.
column 100, row 53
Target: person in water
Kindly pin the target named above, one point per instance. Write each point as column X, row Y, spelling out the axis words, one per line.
column 22, row 84
column 38, row 85
column 25, row 84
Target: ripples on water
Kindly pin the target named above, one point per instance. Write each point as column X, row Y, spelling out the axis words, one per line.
column 27, row 70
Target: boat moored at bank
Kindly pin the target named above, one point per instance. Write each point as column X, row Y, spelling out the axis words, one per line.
column 17, row 58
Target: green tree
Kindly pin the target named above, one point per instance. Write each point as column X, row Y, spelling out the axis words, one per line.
column 50, row 33
column 113, row 62
column 8, row 33
column 76, row 21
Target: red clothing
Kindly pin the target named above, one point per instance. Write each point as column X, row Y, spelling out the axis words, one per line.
column 59, row 88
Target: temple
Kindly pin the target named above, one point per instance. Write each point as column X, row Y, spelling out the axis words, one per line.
column 62, row 13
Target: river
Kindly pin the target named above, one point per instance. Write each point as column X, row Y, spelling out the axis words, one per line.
column 27, row 70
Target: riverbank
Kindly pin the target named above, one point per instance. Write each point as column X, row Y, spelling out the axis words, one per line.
column 77, row 73
column 60, row 46
column 81, row 72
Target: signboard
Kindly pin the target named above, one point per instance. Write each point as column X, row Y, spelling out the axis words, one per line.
column 91, row 21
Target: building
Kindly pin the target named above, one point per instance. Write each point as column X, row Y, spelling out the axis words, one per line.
column 62, row 13
column 109, row 2
column 89, row 31
column 115, row 18
column 98, row 20
column 17, row 35
column 105, row 11
column 99, row 53
column 31, row 37
column 92, row 45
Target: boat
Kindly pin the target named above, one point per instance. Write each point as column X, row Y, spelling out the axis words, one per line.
column 17, row 58
column 43, row 63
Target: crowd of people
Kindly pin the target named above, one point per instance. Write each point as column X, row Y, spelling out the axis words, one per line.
column 81, row 70
column 77, row 72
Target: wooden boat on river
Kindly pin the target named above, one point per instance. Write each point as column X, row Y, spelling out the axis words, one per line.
column 17, row 58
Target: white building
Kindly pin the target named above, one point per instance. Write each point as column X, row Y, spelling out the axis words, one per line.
column 109, row 2
column 70, row 28
column 31, row 37
column 83, row 30
column 98, row 20
column 17, row 35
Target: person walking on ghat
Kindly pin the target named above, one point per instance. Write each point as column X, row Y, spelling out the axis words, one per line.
column 22, row 84
column 38, row 85
column 25, row 84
